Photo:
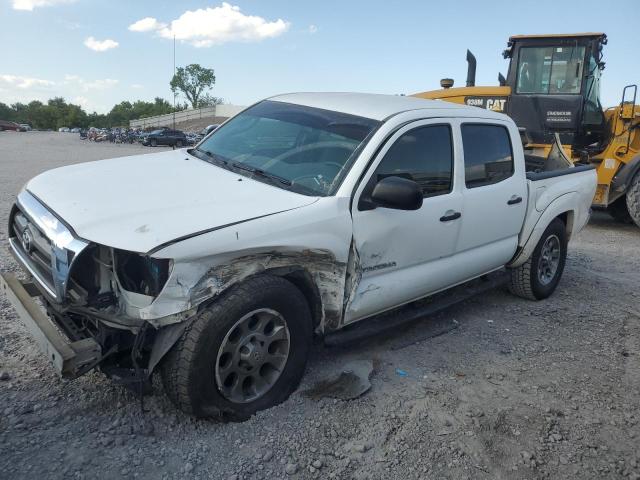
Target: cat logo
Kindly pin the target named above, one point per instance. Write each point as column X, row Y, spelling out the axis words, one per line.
column 496, row 104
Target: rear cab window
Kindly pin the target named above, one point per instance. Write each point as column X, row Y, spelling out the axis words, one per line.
column 488, row 154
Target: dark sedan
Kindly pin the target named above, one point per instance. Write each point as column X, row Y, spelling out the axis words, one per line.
column 173, row 138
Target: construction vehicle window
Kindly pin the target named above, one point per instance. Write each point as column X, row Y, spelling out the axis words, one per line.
column 488, row 157
column 550, row 70
column 592, row 107
column 424, row 155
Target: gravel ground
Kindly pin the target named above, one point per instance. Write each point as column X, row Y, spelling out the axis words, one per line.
column 518, row 389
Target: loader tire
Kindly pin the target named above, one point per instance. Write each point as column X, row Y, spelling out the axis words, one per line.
column 539, row 276
column 619, row 211
column 633, row 199
column 245, row 352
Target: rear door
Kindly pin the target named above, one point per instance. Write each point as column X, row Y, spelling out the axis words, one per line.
column 404, row 255
column 495, row 194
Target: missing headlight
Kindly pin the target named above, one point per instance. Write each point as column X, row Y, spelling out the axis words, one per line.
column 140, row 273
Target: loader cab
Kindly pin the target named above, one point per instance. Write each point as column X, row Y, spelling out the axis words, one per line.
column 555, row 87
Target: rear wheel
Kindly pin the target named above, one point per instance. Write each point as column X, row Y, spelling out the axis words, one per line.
column 179, row 143
column 154, row 142
column 633, row 199
column 539, row 276
column 244, row 353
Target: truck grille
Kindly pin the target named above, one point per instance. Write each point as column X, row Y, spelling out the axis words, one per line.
column 43, row 244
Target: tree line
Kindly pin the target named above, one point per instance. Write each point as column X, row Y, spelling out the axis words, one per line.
column 57, row 113
column 192, row 81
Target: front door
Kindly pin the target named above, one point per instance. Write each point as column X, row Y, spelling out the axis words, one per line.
column 405, row 255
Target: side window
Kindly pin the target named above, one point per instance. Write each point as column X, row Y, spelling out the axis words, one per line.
column 424, row 155
column 488, row 157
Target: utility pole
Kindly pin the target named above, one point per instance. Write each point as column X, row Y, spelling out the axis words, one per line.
column 174, row 74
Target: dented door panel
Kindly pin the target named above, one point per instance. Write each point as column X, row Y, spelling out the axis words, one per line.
column 403, row 255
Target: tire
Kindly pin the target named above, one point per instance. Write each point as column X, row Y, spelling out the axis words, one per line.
column 529, row 279
column 154, row 142
column 633, row 199
column 179, row 143
column 620, row 211
column 193, row 372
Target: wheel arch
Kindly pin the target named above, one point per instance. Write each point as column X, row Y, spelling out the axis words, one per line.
column 562, row 208
column 623, row 178
column 315, row 273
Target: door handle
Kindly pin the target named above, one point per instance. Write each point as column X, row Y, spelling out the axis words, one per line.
column 513, row 200
column 451, row 216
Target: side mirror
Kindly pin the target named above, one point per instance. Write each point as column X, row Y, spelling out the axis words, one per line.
column 397, row 193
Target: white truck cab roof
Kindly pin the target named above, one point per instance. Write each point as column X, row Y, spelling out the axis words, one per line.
column 380, row 107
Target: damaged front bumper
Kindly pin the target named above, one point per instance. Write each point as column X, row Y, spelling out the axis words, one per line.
column 70, row 359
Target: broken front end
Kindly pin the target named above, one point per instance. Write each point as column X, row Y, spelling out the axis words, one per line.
column 87, row 305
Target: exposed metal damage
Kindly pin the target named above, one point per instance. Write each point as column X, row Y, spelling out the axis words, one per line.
column 328, row 276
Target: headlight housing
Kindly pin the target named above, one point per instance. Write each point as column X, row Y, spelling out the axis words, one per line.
column 140, row 273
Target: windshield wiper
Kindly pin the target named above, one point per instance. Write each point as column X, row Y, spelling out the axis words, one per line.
column 211, row 155
column 260, row 172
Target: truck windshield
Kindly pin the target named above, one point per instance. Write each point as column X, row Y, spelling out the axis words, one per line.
column 550, row 70
column 309, row 150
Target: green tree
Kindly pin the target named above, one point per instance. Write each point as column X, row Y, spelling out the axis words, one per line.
column 6, row 112
column 207, row 100
column 193, row 81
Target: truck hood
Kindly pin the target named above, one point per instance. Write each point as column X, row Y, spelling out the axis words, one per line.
column 140, row 202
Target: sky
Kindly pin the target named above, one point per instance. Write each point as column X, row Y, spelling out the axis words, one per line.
column 99, row 53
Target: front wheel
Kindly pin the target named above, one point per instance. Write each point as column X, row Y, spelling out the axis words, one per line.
column 245, row 352
column 633, row 199
column 539, row 276
column 154, row 142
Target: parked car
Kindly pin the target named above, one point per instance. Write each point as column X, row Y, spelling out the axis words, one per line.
column 304, row 213
column 174, row 138
column 25, row 127
column 7, row 125
column 208, row 129
column 204, row 132
column 63, row 130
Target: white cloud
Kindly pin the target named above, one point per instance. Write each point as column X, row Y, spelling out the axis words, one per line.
column 100, row 45
column 312, row 29
column 84, row 102
column 89, row 85
column 92, row 95
column 16, row 88
column 215, row 26
column 29, row 5
column 147, row 24
column 24, row 83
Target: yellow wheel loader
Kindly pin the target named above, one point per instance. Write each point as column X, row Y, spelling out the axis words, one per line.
column 552, row 91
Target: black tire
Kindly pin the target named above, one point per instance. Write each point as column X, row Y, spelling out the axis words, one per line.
column 619, row 211
column 179, row 143
column 525, row 280
column 633, row 199
column 188, row 370
column 154, row 142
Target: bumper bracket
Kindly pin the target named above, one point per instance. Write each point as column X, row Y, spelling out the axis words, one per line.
column 68, row 358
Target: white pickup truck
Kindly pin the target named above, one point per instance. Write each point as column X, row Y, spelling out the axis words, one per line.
column 303, row 214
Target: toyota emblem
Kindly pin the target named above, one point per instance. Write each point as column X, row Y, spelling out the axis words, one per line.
column 27, row 239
